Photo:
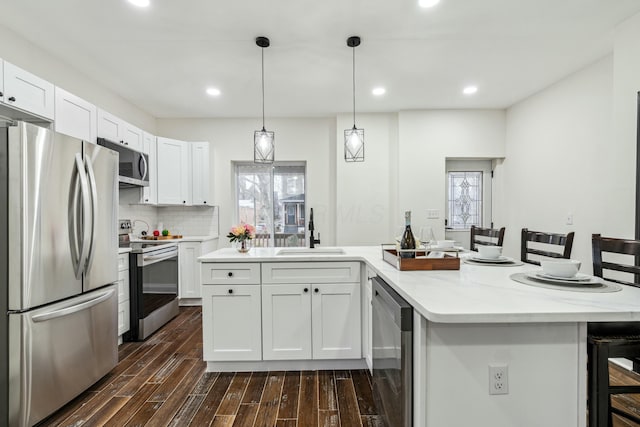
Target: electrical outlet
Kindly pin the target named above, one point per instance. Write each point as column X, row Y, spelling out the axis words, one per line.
column 569, row 219
column 433, row 213
column 498, row 379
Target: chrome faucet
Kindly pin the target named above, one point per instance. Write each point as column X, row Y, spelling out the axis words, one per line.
column 312, row 240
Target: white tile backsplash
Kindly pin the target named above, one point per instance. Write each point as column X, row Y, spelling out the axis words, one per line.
column 190, row 221
column 185, row 220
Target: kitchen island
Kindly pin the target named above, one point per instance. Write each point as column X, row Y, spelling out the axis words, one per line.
column 470, row 319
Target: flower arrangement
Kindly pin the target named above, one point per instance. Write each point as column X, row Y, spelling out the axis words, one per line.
column 241, row 233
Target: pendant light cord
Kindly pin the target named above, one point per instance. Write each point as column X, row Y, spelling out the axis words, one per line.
column 354, row 86
column 262, row 50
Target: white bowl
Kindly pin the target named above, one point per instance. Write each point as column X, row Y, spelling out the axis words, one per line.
column 445, row 243
column 561, row 267
column 489, row 252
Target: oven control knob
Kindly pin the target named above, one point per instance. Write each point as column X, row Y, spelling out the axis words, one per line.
column 306, row 289
column 230, row 291
column 230, row 274
column 316, row 290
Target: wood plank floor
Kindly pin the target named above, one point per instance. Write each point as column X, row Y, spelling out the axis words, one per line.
column 162, row 382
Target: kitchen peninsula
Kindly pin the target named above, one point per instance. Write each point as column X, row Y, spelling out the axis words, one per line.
column 464, row 322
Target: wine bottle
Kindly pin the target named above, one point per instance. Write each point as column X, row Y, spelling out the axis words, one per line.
column 407, row 241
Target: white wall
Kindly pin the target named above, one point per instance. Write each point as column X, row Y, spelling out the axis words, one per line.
column 24, row 54
column 231, row 140
column 365, row 193
column 426, row 140
column 560, row 160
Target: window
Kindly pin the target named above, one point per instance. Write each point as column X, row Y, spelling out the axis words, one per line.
column 272, row 197
column 464, row 199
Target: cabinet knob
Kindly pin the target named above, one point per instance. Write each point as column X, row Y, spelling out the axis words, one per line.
column 146, row 200
column 1, row 94
column 184, row 201
column 126, row 143
column 12, row 99
column 306, row 289
column 316, row 290
column 205, row 202
column 230, row 274
column 230, row 291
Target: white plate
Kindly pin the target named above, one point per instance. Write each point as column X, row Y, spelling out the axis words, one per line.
column 577, row 278
column 536, row 275
column 500, row 260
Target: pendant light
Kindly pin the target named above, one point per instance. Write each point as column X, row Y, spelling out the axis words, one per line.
column 354, row 137
column 263, row 140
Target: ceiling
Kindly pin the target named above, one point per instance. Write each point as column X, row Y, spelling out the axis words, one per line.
column 162, row 58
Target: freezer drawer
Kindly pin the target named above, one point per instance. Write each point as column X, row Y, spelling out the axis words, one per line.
column 58, row 351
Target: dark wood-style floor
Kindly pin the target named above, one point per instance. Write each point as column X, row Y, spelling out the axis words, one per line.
column 162, row 382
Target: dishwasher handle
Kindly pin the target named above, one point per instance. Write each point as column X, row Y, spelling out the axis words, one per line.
column 396, row 305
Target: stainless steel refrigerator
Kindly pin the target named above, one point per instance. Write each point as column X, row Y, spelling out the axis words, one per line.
column 58, row 266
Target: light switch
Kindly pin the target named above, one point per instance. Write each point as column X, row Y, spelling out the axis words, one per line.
column 433, row 213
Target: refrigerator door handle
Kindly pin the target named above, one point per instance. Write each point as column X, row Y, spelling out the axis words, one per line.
column 94, row 210
column 73, row 225
column 84, row 186
column 73, row 308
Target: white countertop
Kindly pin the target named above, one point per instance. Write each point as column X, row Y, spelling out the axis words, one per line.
column 473, row 294
column 123, row 250
column 182, row 239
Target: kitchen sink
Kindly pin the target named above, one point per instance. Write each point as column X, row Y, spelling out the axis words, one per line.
column 309, row 251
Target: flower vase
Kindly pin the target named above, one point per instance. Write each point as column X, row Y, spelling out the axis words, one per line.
column 243, row 247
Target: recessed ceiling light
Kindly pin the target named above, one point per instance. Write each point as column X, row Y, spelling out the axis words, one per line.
column 428, row 3
column 379, row 91
column 213, row 91
column 140, row 3
column 470, row 90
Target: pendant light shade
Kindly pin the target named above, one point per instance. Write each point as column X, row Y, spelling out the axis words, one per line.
column 354, row 137
column 263, row 140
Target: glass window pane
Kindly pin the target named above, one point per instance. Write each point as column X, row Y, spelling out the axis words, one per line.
column 465, row 199
column 272, row 197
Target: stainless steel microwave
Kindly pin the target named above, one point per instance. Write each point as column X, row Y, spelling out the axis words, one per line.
column 133, row 166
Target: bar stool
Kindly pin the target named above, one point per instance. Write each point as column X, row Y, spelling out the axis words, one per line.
column 565, row 241
column 611, row 339
column 489, row 234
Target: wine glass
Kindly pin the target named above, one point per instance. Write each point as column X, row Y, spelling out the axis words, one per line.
column 426, row 236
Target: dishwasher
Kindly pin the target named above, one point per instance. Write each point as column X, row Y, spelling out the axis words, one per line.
column 392, row 356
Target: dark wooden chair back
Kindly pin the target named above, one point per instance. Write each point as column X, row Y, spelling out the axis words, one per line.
column 565, row 241
column 488, row 233
column 600, row 245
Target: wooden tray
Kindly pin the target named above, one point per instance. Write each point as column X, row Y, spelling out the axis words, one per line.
column 172, row 236
column 420, row 262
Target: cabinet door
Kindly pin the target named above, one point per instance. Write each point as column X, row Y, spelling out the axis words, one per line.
column 132, row 136
column 150, row 193
column 110, row 127
column 75, row 116
column 231, row 319
column 335, row 314
column 200, row 173
column 28, row 92
column 173, row 165
column 286, row 322
column 124, row 321
column 189, row 285
column 1, row 80
column 367, row 331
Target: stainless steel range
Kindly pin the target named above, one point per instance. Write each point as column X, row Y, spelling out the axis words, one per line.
column 153, row 285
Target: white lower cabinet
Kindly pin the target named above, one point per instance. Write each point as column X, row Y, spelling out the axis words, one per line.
column 123, row 294
column 286, row 322
column 190, row 280
column 231, row 323
column 308, row 315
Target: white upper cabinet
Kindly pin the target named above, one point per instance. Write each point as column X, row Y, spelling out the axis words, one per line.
column 74, row 116
column 200, row 173
column 28, row 92
column 150, row 193
column 115, row 129
column 1, row 80
column 174, row 185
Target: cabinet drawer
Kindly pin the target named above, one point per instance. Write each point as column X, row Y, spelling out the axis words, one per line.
column 241, row 273
column 123, row 262
column 311, row 272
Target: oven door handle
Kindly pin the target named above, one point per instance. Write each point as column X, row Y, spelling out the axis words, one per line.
column 152, row 259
